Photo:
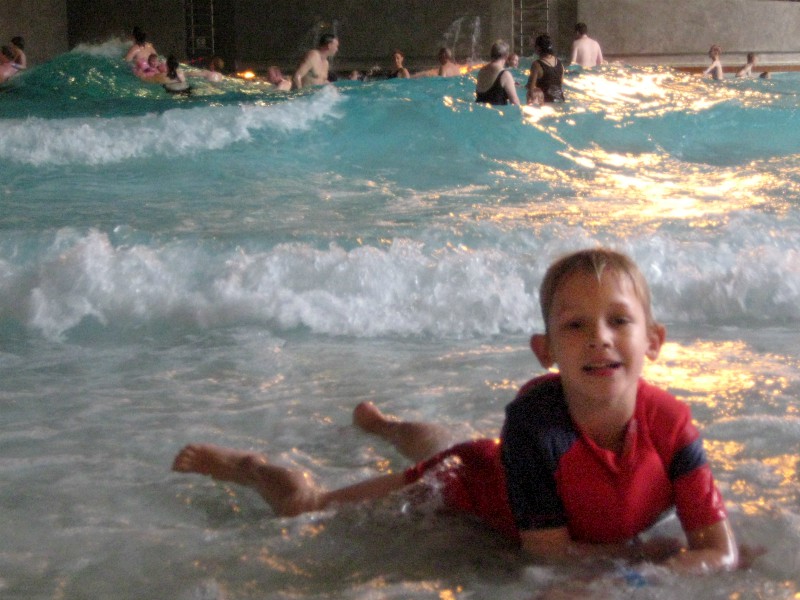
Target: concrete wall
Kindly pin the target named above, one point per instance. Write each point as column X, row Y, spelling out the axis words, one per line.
column 261, row 32
column 43, row 25
column 683, row 30
column 369, row 30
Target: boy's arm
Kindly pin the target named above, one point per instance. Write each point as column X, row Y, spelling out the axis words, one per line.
column 711, row 549
column 555, row 546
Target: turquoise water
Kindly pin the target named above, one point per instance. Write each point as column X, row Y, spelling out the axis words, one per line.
column 242, row 267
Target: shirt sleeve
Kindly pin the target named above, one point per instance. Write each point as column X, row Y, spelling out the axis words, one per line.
column 697, row 500
column 530, row 455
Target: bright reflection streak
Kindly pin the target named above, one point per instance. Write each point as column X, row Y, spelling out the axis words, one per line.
column 627, row 190
column 649, row 92
column 705, row 372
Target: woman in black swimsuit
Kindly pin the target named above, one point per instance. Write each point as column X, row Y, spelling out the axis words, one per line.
column 399, row 70
column 547, row 73
column 495, row 84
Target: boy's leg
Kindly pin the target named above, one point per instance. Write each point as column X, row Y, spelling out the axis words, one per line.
column 416, row 441
column 288, row 492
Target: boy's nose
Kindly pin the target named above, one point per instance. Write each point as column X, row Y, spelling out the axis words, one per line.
column 600, row 335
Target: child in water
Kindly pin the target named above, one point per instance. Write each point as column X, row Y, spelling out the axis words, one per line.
column 715, row 68
column 152, row 68
column 589, row 457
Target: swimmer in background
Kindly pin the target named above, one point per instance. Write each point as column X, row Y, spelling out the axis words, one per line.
column 586, row 52
column 495, row 84
column 715, row 68
column 152, row 68
column 176, row 80
column 315, row 66
column 447, row 66
column 276, row 78
column 7, row 65
column 547, row 72
column 747, row 70
column 214, row 71
column 399, row 71
column 512, row 62
column 18, row 49
column 141, row 49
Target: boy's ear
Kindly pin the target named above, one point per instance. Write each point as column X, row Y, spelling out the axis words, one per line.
column 541, row 349
column 655, row 338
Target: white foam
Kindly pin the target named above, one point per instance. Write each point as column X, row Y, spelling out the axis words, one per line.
column 407, row 288
column 100, row 141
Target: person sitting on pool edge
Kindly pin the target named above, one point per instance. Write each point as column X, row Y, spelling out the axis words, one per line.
column 589, row 457
column 495, row 84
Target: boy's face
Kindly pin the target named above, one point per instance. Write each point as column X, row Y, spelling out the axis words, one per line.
column 599, row 337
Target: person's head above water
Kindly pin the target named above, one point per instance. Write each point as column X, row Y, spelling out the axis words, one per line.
column 544, row 45
column 329, row 42
column 500, row 49
column 139, row 36
column 444, row 55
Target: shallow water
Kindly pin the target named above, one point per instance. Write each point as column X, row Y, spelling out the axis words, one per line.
column 242, row 267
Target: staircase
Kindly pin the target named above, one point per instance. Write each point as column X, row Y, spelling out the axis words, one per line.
column 199, row 28
column 531, row 18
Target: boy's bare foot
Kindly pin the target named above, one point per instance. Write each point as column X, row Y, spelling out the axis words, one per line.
column 367, row 416
column 289, row 493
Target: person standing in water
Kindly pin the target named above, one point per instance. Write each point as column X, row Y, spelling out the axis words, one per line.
column 715, row 68
column 399, row 71
column 447, row 66
column 586, row 52
column 18, row 49
column 495, row 84
column 315, row 66
column 7, row 67
column 276, row 78
column 176, row 80
column 547, row 73
column 141, row 49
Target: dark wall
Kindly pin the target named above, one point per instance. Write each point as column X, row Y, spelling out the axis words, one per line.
column 42, row 23
column 369, row 30
column 98, row 20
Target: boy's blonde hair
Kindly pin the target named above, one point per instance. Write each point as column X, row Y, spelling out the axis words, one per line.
column 593, row 261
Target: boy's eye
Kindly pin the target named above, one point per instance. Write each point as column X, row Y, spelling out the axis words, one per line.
column 621, row 320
